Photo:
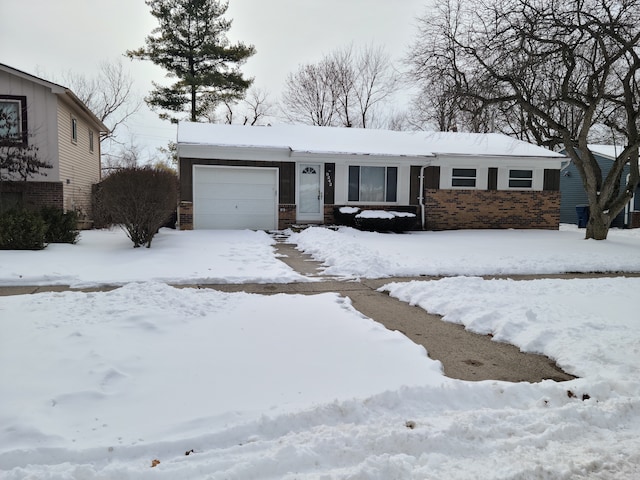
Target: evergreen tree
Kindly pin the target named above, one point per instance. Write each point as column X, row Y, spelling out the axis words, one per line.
column 191, row 44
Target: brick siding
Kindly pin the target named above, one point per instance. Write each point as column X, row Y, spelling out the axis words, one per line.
column 36, row 194
column 286, row 215
column 185, row 216
column 478, row 209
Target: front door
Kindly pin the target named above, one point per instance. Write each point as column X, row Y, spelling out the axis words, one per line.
column 310, row 195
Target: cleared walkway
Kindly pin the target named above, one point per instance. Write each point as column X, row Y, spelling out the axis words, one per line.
column 464, row 355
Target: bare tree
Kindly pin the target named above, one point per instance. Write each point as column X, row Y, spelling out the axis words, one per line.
column 254, row 109
column 19, row 159
column 345, row 88
column 109, row 94
column 550, row 70
column 123, row 157
column 309, row 95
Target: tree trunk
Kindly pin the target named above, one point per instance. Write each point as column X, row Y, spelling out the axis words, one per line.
column 597, row 226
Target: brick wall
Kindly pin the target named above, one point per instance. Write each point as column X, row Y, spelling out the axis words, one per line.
column 286, row 215
column 35, row 194
column 634, row 220
column 477, row 209
column 185, row 216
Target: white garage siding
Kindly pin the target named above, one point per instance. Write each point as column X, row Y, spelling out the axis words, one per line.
column 235, row 197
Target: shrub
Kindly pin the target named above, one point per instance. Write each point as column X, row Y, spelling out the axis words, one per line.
column 140, row 199
column 22, row 230
column 346, row 215
column 62, row 227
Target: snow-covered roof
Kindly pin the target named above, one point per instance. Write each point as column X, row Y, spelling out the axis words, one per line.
column 311, row 139
column 611, row 151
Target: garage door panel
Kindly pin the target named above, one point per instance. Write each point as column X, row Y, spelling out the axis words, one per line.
column 232, row 197
column 262, row 192
column 224, row 176
column 232, row 222
column 231, row 206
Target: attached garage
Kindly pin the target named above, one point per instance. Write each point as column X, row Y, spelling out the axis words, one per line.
column 235, row 197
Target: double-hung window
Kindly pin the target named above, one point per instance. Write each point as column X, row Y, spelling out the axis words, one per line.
column 463, row 177
column 520, row 178
column 373, row 184
column 13, row 119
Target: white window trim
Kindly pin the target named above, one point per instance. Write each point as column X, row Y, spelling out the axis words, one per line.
column 446, row 177
column 537, row 179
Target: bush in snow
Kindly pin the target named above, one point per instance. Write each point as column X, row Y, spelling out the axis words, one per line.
column 62, row 227
column 346, row 215
column 140, row 199
column 22, row 230
column 383, row 221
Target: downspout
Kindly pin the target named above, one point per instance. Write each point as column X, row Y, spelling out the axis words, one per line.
column 421, row 196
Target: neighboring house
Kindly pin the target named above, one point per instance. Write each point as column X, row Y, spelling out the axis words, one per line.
column 67, row 135
column 574, row 195
column 234, row 176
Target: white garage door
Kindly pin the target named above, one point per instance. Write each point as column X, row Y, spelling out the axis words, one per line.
column 235, row 197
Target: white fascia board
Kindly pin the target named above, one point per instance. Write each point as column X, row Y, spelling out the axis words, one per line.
column 204, row 151
column 358, row 158
column 498, row 161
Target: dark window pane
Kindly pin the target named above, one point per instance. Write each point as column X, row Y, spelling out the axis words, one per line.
column 519, row 183
column 392, row 184
column 464, row 172
column 520, row 174
column 354, row 184
column 463, row 182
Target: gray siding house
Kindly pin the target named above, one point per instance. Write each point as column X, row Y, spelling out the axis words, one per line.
column 573, row 194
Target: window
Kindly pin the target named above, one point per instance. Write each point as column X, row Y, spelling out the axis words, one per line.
column 373, row 184
column 463, row 177
column 520, row 178
column 13, row 119
column 74, row 130
column 91, row 140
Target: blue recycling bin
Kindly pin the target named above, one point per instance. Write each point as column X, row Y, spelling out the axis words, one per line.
column 583, row 215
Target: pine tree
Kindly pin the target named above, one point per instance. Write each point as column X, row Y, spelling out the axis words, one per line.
column 191, row 44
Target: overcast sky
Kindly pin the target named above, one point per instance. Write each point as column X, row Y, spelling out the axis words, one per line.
column 49, row 37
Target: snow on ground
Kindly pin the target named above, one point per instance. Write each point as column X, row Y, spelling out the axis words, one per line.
column 350, row 252
column 108, row 257
column 98, row 385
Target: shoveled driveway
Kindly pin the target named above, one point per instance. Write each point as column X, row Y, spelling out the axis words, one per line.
column 464, row 355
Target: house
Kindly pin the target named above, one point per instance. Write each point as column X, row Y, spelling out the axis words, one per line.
column 234, row 176
column 65, row 132
column 574, row 195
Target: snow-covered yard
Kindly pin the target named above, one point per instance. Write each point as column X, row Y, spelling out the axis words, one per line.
column 98, row 385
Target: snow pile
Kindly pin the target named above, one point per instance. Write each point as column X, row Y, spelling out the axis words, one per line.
column 352, row 253
column 177, row 257
column 566, row 320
